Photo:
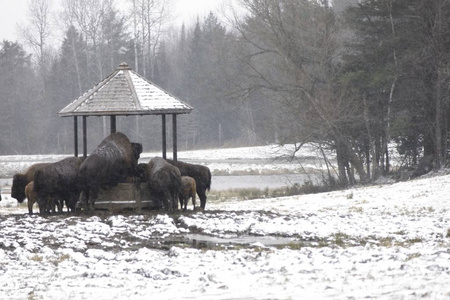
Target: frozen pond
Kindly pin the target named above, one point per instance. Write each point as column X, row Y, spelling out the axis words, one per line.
column 220, row 183
column 260, row 181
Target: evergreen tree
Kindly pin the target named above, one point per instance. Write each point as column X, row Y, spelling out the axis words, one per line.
column 398, row 63
column 18, row 98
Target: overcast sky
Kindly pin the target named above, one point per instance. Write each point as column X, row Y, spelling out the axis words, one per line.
column 14, row 11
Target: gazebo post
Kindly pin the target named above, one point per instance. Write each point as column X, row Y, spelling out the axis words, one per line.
column 174, row 136
column 164, row 139
column 75, row 135
column 84, row 137
column 113, row 124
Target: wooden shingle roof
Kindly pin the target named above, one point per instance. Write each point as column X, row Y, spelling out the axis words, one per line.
column 125, row 92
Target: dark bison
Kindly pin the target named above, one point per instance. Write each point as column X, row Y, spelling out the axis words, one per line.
column 164, row 181
column 20, row 181
column 188, row 190
column 112, row 162
column 59, row 183
column 201, row 175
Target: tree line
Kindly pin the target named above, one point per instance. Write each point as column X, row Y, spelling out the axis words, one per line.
column 350, row 76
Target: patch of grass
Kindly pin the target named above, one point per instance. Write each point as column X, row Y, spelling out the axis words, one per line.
column 413, row 241
column 356, row 209
column 37, row 258
column 402, row 232
column 413, row 255
column 254, row 193
column 386, row 242
column 60, row 259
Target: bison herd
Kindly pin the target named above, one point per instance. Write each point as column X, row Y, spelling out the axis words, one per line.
column 115, row 160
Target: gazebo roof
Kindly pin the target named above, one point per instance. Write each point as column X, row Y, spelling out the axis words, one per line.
column 125, row 92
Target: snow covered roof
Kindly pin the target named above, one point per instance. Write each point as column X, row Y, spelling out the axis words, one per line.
column 125, row 92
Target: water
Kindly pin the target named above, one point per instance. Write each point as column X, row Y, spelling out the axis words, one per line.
column 206, row 241
column 260, row 181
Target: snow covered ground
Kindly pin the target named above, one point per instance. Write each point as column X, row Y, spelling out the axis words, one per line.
column 384, row 242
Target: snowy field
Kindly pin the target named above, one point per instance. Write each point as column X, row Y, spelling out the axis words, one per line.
column 379, row 242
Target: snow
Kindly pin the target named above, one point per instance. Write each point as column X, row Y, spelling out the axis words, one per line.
column 386, row 241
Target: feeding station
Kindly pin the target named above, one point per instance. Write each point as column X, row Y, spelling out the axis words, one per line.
column 125, row 93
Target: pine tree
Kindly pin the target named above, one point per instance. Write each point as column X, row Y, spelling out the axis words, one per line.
column 18, row 98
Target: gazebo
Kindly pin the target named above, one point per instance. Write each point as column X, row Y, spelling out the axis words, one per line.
column 125, row 93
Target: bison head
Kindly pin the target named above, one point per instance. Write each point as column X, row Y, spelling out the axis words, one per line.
column 142, row 172
column 18, row 187
column 137, row 150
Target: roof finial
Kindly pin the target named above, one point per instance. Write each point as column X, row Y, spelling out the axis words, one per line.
column 124, row 66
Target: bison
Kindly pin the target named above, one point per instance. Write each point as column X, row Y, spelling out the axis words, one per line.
column 20, row 181
column 59, row 182
column 31, row 196
column 164, row 181
column 112, row 162
column 188, row 190
column 201, row 175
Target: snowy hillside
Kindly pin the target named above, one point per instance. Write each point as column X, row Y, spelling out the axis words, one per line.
column 382, row 242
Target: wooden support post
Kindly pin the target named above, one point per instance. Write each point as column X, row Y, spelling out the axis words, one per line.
column 84, row 137
column 164, row 138
column 113, row 124
column 75, row 135
column 174, row 137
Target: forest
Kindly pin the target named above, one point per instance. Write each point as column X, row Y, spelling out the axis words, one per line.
column 348, row 76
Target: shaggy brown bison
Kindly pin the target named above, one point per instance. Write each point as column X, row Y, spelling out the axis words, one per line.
column 31, row 196
column 111, row 163
column 59, row 182
column 201, row 174
column 188, row 190
column 20, row 181
column 164, row 181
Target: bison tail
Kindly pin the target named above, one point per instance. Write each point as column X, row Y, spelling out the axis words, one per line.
column 208, row 184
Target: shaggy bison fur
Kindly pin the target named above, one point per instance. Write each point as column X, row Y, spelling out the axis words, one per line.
column 112, row 162
column 164, row 181
column 188, row 190
column 59, row 182
column 201, row 175
column 31, row 196
column 20, row 181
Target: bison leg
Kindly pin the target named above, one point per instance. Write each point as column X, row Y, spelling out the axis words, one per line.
column 59, row 203
column 71, row 202
column 42, row 206
column 168, row 201
column 91, row 195
column 50, row 205
column 183, row 201
column 166, row 204
column 202, row 196
column 175, row 201
column 30, row 206
column 193, row 199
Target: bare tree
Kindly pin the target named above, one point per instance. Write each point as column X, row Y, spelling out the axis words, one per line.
column 292, row 51
column 88, row 16
column 37, row 33
column 152, row 17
